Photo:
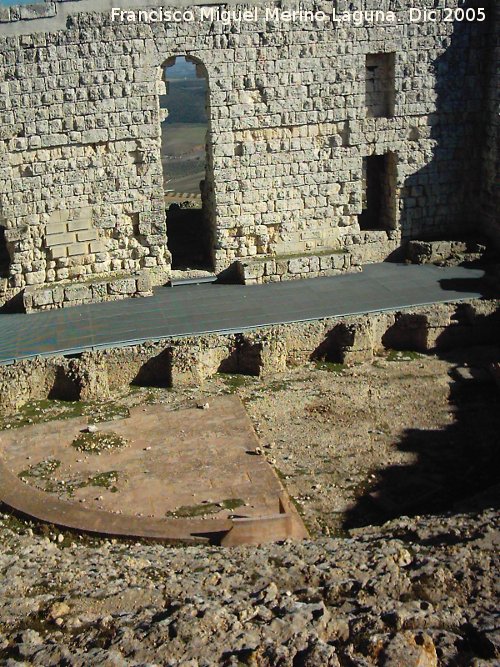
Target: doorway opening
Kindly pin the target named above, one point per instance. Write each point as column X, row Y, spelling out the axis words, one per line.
column 379, row 193
column 4, row 254
column 186, row 164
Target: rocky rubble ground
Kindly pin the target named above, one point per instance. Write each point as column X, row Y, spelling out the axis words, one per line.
column 414, row 592
column 406, row 434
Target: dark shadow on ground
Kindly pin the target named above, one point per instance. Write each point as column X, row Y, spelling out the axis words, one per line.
column 457, row 466
column 488, row 285
column 478, row 285
column 156, row 372
column 14, row 305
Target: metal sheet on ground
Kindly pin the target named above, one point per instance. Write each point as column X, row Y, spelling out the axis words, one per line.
column 199, row 309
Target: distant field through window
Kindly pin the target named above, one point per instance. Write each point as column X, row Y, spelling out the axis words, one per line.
column 184, row 159
column 184, row 130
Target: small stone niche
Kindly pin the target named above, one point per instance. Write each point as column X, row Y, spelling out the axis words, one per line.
column 380, row 85
column 4, row 254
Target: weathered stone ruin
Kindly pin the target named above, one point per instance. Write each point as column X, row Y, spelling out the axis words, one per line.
column 265, row 352
column 330, row 144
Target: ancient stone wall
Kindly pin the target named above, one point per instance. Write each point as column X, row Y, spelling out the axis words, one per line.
column 491, row 189
column 294, row 107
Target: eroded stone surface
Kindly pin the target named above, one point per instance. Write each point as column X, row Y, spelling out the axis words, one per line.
column 412, row 592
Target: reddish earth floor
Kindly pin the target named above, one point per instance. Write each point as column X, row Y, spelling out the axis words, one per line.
column 195, row 462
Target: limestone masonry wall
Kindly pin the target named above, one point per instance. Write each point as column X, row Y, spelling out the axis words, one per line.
column 491, row 194
column 294, row 109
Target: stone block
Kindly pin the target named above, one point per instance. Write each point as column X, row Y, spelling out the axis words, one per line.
column 79, row 225
column 314, row 264
column 78, row 293
column 281, row 267
column 269, row 268
column 356, row 257
column 60, row 239
column 42, row 297
column 60, row 215
column 144, row 282
column 338, row 261
column 28, row 296
column 17, row 234
column 35, row 278
column 58, row 295
column 419, row 252
column 253, row 270
column 97, row 246
column 56, row 252
column 99, row 291
column 325, row 262
column 82, row 213
column 122, row 286
column 55, row 228
column 88, row 235
column 94, row 136
column 298, row 265
column 77, row 249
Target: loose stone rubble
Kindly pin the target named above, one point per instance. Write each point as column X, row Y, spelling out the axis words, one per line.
column 414, row 592
column 444, row 252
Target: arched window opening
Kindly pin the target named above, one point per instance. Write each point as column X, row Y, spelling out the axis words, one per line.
column 4, row 254
column 185, row 159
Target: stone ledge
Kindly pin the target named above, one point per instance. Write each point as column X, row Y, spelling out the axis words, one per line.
column 259, row 270
column 37, row 11
column 110, row 288
column 285, row 524
column 430, row 252
column 31, row 12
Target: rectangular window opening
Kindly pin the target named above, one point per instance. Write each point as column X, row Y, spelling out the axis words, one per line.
column 380, row 85
column 4, row 254
column 379, row 193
